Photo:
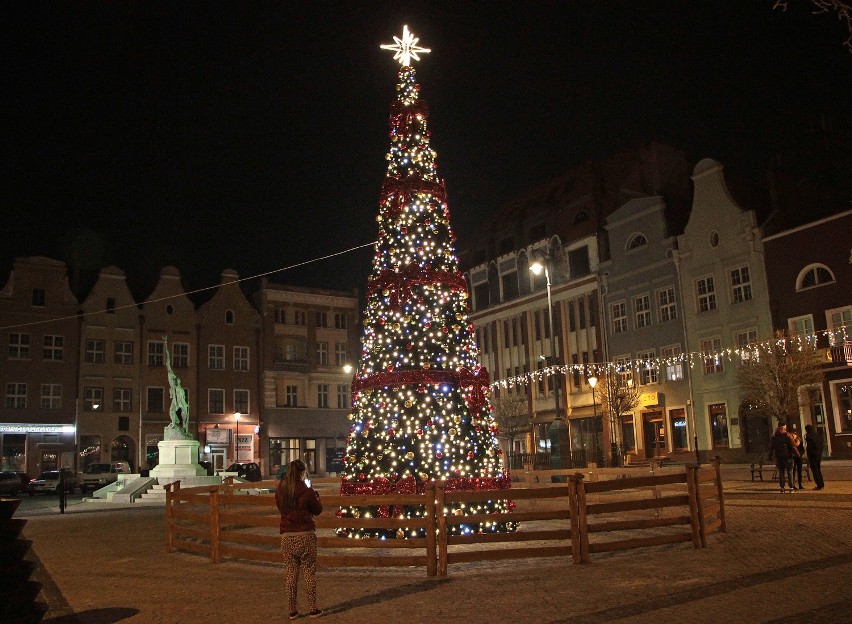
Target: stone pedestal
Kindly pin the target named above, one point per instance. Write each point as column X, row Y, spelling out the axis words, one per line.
column 178, row 460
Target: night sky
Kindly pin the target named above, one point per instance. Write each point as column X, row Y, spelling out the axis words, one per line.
column 252, row 135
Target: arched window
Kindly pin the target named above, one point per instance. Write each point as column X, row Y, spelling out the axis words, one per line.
column 636, row 241
column 229, row 317
column 814, row 275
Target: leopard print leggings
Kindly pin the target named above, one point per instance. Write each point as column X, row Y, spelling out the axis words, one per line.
column 300, row 550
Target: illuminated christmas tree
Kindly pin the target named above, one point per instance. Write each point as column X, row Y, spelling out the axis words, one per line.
column 420, row 410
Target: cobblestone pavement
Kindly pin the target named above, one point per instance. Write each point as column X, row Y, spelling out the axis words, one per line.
column 785, row 557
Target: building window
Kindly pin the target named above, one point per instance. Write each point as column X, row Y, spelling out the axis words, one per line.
column 110, row 305
column 19, row 346
column 628, row 434
column 93, row 399
column 746, row 340
column 39, row 299
column 839, row 323
column 322, row 353
column 241, row 401
column 155, row 353
column 280, row 316
column 215, row 401
column 667, row 304
column 719, row 424
column 578, row 262
column 623, row 366
column 241, row 359
column 572, row 325
column 282, row 451
column 321, row 319
column 322, row 395
column 216, row 357
column 339, row 354
column 679, row 432
column 636, row 241
column 300, row 317
column 706, row 294
column 343, row 396
column 648, row 367
column 122, row 399
column 291, row 395
column 740, row 285
column 844, row 404
column 124, row 353
column 619, row 317
column 53, row 347
column 802, row 326
column 51, row 396
column 642, row 309
column 813, row 276
column 16, row 396
column 155, row 399
column 581, row 313
column 673, row 362
column 229, row 317
column 339, row 320
column 711, row 352
column 180, row 355
column 94, row 352
column 123, row 423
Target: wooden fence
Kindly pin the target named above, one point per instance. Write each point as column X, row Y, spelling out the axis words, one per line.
column 576, row 518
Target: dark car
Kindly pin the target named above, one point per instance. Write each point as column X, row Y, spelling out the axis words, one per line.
column 10, row 484
column 250, row 471
column 49, row 482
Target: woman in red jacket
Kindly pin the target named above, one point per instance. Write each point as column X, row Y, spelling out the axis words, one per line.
column 298, row 504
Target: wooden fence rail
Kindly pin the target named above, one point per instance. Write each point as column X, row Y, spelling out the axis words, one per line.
column 240, row 521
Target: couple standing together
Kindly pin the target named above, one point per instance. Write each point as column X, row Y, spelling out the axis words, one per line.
column 787, row 449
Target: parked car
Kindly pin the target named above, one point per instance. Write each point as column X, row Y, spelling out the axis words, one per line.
column 48, row 482
column 250, row 471
column 10, row 484
column 96, row 476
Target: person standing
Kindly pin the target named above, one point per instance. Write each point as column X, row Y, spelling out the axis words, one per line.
column 797, row 458
column 813, row 449
column 781, row 447
column 298, row 504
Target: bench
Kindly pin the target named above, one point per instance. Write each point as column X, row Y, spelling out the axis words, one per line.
column 758, row 466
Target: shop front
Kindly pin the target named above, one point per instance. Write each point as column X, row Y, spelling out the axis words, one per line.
column 34, row 448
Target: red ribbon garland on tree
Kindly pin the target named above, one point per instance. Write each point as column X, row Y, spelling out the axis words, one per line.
column 412, row 485
column 474, row 381
column 402, row 191
column 400, row 285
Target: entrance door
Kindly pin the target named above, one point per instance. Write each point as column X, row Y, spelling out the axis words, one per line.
column 654, row 434
column 217, row 458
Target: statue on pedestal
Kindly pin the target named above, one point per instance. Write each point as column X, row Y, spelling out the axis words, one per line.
column 178, row 429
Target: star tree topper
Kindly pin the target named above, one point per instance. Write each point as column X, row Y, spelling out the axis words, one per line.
column 405, row 48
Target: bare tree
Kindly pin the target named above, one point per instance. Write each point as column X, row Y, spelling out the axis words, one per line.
column 618, row 396
column 843, row 10
column 771, row 375
column 511, row 415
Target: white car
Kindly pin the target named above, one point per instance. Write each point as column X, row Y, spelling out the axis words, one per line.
column 48, row 482
column 96, row 476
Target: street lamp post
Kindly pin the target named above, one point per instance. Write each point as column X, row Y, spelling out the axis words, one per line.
column 237, row 417
column 593, row 381
column 558, row 430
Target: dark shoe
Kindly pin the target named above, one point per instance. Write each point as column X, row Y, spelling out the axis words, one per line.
column 819, row 487
column 294, row 615
column 316, row 613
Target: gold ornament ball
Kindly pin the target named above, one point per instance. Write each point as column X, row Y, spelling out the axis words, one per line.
column 409, row 455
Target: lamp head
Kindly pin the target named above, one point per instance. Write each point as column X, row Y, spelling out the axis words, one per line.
column 537, row 267
column 238, row 416
column 593, row 381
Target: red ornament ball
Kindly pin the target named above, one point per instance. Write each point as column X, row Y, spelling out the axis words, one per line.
column 439, row 454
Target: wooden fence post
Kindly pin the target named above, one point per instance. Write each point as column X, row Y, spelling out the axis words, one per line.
column 215, row 555
column 442, row 528
column 723, row 527
column 694, row 510
column 170, row 536
column 582, row 520
column 431, row 531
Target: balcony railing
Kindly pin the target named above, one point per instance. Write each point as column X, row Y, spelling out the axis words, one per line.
column 297, row 366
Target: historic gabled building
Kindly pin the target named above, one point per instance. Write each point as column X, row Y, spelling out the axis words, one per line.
column 166, row 313
column 309, row 338
column 40, row 335
column 644, row 328
column 108, row 424
column 720, row 260
column 809, row 269
column 228, row 412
